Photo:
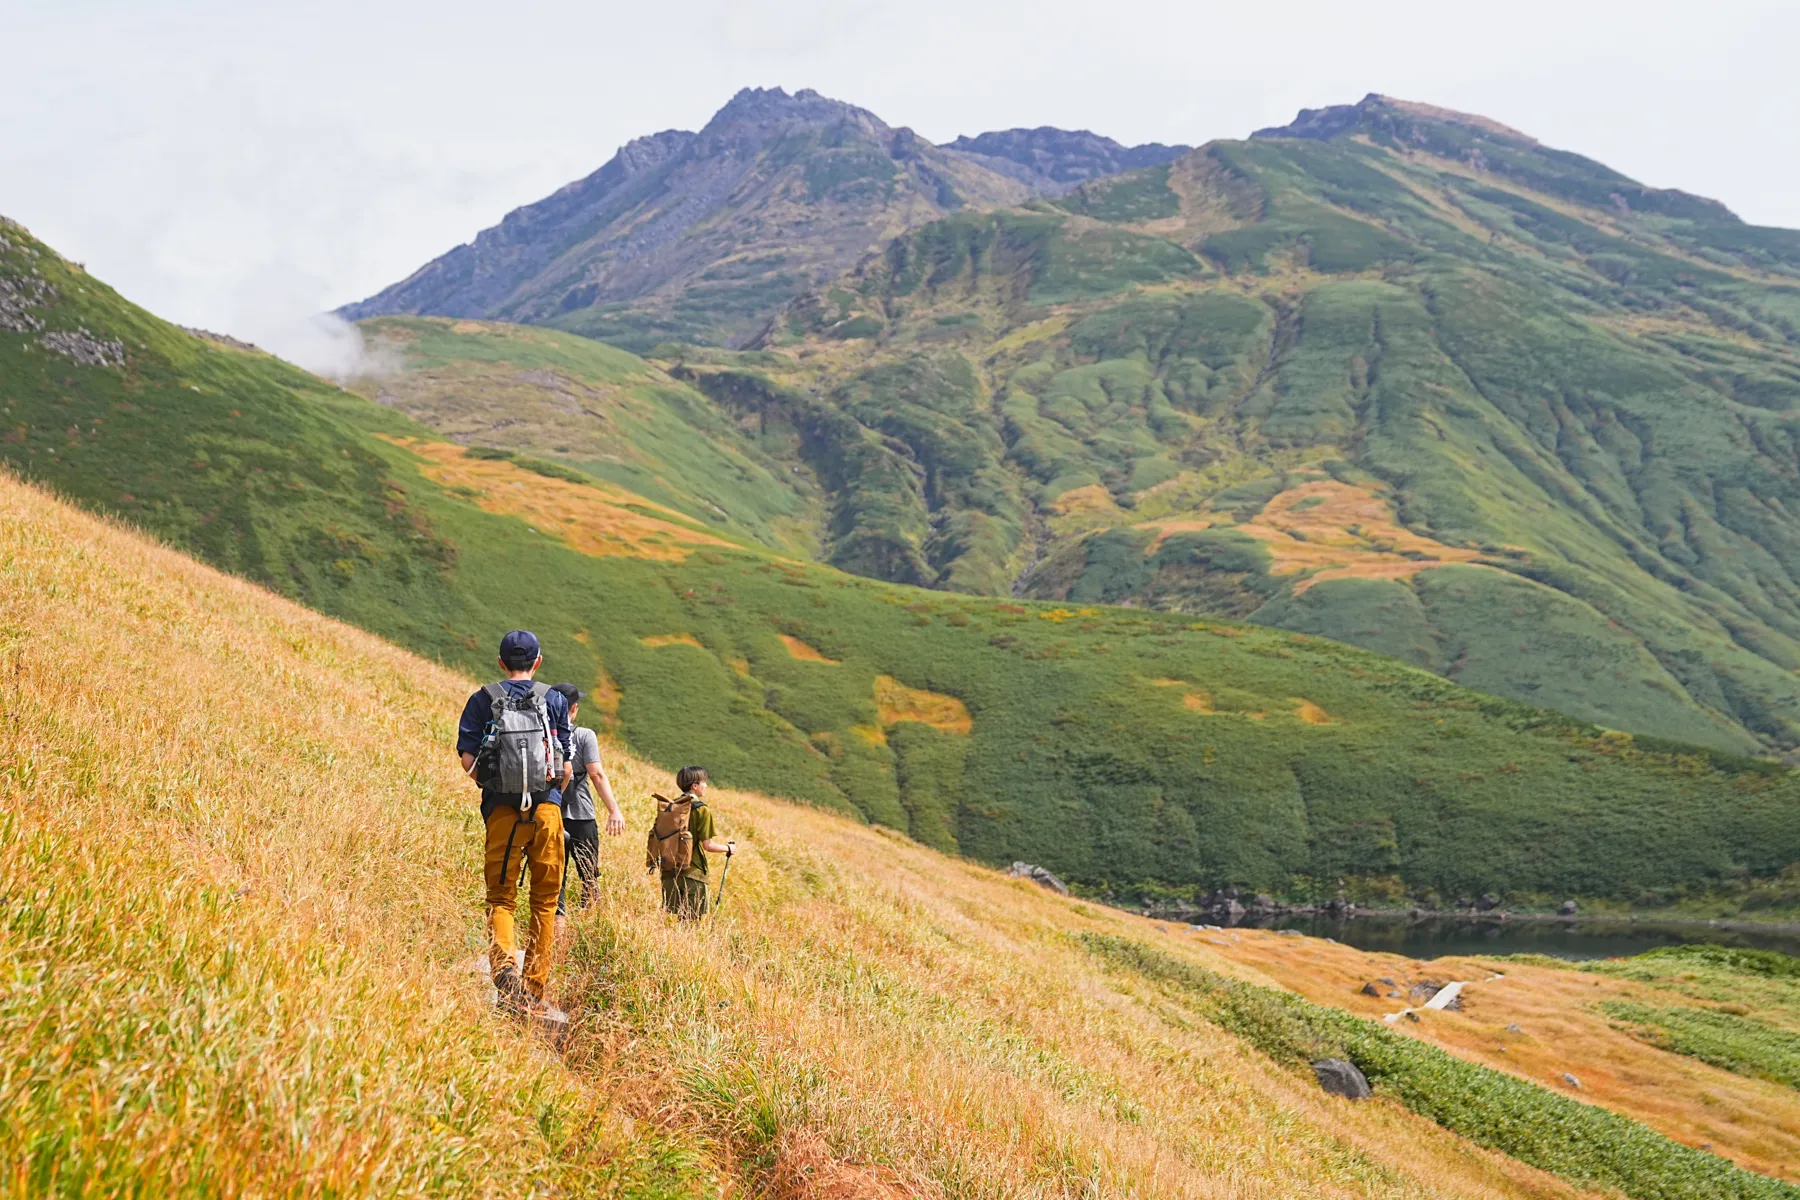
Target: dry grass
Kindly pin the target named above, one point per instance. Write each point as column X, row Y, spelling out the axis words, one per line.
column 1311, row 713
column 659, row 640
column 895, row 702
column 1753, row 1122
column 1193, row 698
column 802, row 651
column 238, row 903
column 594, row 518
column 242, row 892
column 1339, row 531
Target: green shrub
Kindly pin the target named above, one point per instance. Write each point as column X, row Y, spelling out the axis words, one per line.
column 1736, row 1043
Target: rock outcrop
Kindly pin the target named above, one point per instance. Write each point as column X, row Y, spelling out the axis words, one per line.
column 1038, row 875
column 1342, row 1078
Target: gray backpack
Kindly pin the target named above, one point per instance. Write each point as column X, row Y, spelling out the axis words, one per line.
column 524, row 756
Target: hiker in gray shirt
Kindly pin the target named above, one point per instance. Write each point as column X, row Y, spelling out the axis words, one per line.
column 581, row 826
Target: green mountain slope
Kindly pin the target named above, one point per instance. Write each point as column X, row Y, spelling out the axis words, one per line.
column 1393, row 375
column 597, row 409
column 1122, row 748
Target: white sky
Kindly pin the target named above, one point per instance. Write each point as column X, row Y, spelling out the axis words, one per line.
column 238, row 164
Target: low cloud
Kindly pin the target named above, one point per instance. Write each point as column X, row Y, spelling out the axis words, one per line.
column 280, row 310
column 330, row 346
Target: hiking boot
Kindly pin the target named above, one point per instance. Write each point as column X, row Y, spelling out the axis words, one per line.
column 509, row 992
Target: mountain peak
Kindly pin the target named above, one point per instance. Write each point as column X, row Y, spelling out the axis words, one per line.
column 772, row 109
column 1378, row 113
column 792, row 189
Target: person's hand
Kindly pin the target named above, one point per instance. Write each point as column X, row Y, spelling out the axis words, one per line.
column 615, row 823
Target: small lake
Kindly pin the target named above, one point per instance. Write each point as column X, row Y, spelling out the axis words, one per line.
column 1435, row 937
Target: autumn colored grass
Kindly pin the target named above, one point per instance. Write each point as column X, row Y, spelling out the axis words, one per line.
column 895, row 702
column 804, row 652
column 239, row 962
column 1338, row 531
column 594, row 518
column 238, row 908
column 1563, row 1027
column 657, row 641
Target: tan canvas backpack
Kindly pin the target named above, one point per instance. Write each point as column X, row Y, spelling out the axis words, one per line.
column 671, row 845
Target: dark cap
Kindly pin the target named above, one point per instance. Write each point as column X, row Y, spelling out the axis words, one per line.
column 519, row 649
column 567, row 691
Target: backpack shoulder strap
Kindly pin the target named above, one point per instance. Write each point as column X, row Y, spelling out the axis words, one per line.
column 539, row 690
column 495, row 691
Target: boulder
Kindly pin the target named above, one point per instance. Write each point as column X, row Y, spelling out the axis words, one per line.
column 1038, row 875
column 1369, row 989
column 1487, row 902
column 1342, row 1078
column 1424, row 990
column 1262, row 902
column 1571, row 1081
column 1569, row 908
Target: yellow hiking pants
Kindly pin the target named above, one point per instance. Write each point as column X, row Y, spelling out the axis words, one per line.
column 536, row 841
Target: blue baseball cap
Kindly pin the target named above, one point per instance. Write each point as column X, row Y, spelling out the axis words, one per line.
column 519, row 649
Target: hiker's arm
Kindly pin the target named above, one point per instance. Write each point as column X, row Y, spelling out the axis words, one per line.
column 615, row 820
column 470, row 729
column 714, row 846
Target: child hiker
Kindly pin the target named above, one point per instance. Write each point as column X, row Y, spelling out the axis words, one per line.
column 584, row 778
column 680, row 841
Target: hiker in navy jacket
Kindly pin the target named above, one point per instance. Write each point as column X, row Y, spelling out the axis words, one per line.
column 524, row 818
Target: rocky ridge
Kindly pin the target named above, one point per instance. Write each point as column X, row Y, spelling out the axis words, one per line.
column 705, row 236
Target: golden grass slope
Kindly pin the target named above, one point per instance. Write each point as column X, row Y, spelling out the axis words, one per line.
column 240, row 874
column 1754, row 1122
column 594, row 518
column 1332, row 530
column 237, row 902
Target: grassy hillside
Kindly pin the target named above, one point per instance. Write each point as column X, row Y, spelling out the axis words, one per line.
column 1401, row 378
column 1537, row 1019
column 603, row 411
column 219, row 983
column 1127, row 750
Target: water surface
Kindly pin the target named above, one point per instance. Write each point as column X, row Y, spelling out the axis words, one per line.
column 1434, row 937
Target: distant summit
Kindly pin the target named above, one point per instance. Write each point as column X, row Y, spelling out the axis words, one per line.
column 706, row 236
column 1064, row 158
column 1487, row 145
column 1375, row 111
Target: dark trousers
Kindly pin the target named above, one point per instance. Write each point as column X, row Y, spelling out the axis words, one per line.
column 581, row 846
column 684, row 897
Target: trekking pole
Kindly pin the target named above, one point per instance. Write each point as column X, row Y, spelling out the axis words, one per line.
column 726, row 870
